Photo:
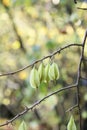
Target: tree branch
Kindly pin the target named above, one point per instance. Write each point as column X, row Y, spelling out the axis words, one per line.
column 81, row 8
column 83, row 78
column 79, row 76
column 37, row 103
column 57, row 91
column 71, row 108
column 35, row 62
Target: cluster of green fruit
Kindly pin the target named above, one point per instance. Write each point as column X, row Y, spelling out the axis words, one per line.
column 43, row 74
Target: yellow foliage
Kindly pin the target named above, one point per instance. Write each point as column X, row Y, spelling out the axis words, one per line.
column 69, row 29
column 44, row 30
column 6, row 2
column 31, row 41
column 52, row 33
column 62, row 38
column 32, row 11
column 84, row 5
column 6, row 101
column 2, row 120
column 23, row 75
column 80, row 32
column 10, row 62
column 16, row 45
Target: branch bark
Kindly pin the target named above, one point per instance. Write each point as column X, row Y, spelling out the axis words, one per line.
column 37, row 103
column 35, row 62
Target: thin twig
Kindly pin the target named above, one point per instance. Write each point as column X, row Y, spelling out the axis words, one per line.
column 37, row 103
column 83, row 78
column 81, row 8
column 78, row 78
column 35, row 62
column 85, row 59
column 71, row 108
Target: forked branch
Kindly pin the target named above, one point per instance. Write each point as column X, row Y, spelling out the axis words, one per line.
column 57, row 91
column 36, row 104
column 79, row 76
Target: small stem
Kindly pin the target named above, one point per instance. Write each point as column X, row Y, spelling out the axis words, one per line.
column 82, row 8
column 78, row 78
column 71, row 108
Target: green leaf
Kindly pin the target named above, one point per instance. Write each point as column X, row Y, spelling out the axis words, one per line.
column 71, row 124
column 22, row 126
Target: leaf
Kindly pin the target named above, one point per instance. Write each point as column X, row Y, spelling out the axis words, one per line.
column 22, row 126
column 71, row 124
column 6, row 2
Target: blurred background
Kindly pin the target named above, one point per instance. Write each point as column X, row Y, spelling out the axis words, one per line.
column 30, row 30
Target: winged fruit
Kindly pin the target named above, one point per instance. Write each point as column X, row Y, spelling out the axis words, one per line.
column 22, row 126
column 53, row 72
column 41, row 72
column 71, row 124
column 47, row 73
column 34, row 78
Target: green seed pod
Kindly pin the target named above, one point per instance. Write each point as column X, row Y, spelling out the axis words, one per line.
column 34, row 78
column 54, row 72
column 22, row 126
column 47, row 72
column 41, row 72
column 71, row 124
